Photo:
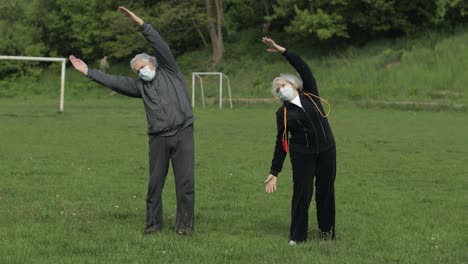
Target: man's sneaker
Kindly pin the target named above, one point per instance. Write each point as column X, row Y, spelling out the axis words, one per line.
column 292, row 243
column 152, row 230
column 183, row 233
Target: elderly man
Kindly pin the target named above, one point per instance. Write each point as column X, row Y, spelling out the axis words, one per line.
column 170, row 124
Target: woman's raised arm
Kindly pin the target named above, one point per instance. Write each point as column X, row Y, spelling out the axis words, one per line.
column 309, row 84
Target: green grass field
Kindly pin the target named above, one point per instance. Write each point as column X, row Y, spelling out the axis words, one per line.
column 73, row 187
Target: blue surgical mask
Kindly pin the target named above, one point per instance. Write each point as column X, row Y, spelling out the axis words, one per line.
column 286, row 93
column 146, row 73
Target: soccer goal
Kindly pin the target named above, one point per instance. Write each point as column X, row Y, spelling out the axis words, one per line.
column 199, row 76
column 62, row 82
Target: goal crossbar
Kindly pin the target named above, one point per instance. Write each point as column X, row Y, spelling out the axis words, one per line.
column 62, row 81
column 198, row 75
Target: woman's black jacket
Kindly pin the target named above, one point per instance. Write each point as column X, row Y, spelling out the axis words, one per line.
column 309, row 131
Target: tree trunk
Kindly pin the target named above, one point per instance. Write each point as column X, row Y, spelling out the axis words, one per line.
column 266, row 8
column 311, row 6
column 215, row 31
column 205, row 44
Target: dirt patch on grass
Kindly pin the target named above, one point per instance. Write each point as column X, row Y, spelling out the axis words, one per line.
column 413, row 105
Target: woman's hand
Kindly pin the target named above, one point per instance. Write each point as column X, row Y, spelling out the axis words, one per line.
column 79, row 65
column 270, row 183
column 131, row 15
column 273, row 46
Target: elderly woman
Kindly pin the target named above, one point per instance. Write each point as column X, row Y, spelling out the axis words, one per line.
column 311, row 147
column 170, row 124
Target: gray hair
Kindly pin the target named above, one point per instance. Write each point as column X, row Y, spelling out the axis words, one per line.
column 144, row 57
column 292, row 79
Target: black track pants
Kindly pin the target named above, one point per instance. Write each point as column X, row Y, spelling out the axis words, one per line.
column 305, row 166
column 180, row 150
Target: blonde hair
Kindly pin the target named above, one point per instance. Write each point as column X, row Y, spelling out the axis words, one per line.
column 287, row 77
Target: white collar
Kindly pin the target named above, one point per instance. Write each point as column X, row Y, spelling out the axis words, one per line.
column 297, row 101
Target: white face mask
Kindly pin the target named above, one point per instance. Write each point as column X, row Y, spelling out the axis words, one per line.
column 146, row 73
column 286, row 93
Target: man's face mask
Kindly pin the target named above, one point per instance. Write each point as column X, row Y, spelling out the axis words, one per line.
column 146, row 73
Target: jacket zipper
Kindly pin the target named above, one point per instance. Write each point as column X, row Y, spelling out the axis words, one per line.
column 320, row 121
column 305, row 132
column 323, row 130
column 161, row 105
column 310, row 120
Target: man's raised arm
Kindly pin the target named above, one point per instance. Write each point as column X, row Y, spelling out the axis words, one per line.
column 163, row 53
column 120, row 84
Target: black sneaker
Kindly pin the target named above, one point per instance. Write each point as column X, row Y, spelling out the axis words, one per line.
column 152, row 230
column 183, row 233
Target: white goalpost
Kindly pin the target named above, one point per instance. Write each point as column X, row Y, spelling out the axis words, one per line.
column 62, row 82
column 198, row 75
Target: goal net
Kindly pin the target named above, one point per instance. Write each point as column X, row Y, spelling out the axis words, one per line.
column 199, row 76
column 62, row 81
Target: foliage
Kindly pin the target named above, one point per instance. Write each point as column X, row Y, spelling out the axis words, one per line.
column 362, row 20
column 430, row 67
column 324, row 25
column 242, row 14
column 16, row 20
column 93, row 29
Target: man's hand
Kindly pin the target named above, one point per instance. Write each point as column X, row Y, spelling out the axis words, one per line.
column 273, row 47
column 79, row 65
column 131, row 15
column 270, row 183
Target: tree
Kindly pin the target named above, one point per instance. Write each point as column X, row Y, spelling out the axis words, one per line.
column 215, row 30
column 370, row 18
column 20, row 36
column 94, row 28
column 319, row 18
column 322, row 24
column 267, row 14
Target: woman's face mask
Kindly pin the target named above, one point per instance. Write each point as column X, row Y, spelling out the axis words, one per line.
column 146, row 73
column 286, row 93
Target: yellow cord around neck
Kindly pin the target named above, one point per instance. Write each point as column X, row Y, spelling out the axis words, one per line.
column 285, row 131
column 316, row 106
